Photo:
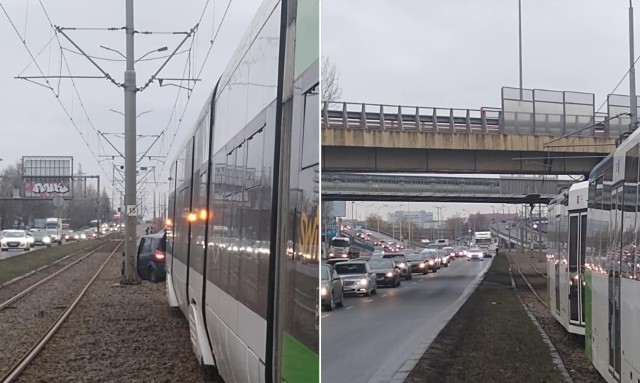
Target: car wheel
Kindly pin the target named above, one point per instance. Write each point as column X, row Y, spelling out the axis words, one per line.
column 4, row 249
column 375, row 291
column 27, row 249
column 341, row 303
column 153, row 275
column 435, row 270
column 332, row 303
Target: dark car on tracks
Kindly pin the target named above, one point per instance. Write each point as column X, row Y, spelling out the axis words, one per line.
column 151, row 256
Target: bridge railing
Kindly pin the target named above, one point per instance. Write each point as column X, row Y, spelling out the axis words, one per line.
column 349, row 115
column 378, row 183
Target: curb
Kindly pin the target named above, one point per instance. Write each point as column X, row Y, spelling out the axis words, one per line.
column 398, row 372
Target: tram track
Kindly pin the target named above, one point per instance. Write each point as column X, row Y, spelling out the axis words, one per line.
column 26, row 327
column 569, row 348
column 512, row 261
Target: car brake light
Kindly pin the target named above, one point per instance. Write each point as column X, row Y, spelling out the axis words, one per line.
column 159, row 255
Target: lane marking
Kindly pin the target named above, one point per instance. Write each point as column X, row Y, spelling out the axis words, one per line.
column 413, row 283
column 347, row 308
column 326, row 315
column 384, row 295
column 369, row 300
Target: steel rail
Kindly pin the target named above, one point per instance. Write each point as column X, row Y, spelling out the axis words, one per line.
column 509, row 256
column 40, row 282
column 24, row 362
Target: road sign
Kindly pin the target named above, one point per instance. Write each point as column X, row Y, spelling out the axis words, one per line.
column 132, row 210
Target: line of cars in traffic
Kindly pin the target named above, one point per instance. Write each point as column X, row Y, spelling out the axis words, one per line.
column 26, row 239
column 384, row 269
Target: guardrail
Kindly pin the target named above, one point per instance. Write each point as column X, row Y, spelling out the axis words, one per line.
column 487, row 120
column 353, row 115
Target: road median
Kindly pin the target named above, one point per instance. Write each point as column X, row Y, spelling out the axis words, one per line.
column 490, row 339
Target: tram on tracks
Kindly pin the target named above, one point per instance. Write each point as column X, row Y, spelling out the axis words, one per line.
column 592, row 268
column 243, row 246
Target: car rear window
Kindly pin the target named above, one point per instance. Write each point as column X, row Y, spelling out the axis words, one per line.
column 381, row 264
column 353, row 268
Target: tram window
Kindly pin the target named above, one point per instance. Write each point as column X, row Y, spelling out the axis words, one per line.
column 310, row 131
column 255, row 151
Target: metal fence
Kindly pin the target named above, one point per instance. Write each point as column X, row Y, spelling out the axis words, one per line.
column 530, row 111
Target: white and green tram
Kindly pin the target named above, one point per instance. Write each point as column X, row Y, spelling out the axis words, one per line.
column 243, row 250
column 593, row 281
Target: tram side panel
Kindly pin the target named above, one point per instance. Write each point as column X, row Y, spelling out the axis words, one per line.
column 240, row 189
column 630, row 328
column 181, row 226
column 599, row 287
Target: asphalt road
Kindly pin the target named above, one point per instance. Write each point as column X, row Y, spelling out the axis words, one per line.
column 371, row 338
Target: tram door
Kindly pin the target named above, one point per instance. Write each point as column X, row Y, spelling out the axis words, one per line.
column 577, row 247
column 557, row 267
column 614, row 282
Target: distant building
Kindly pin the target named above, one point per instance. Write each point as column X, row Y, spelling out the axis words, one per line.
column 420, row 218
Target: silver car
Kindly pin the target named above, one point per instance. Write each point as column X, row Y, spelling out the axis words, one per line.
column 357, row 277
column 475, row 253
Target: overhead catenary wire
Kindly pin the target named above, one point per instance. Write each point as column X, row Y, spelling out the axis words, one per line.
column 592, row 119
column 123, row 60
column 199, row 73
column 52, row 90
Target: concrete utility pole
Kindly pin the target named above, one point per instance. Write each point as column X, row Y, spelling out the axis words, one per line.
column 131, row 212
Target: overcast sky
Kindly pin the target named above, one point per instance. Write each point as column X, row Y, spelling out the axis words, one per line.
column 33, row 122
column 460, row 53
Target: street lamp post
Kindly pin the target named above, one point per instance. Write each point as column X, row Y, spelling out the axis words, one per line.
column 468, row 224
column 520, row 42
column 439, row 220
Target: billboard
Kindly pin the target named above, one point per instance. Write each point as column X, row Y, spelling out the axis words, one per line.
column 47, row 176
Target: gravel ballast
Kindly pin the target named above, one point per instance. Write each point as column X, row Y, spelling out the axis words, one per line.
column 119, row 334
column 26, row 320
column 490, row 339
column 569, row 347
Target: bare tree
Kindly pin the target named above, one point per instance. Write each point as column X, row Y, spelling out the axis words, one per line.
column 331, row 90
column 455, row 226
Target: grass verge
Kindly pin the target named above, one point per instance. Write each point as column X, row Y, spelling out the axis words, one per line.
column 490, row 339
column 24, row 263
